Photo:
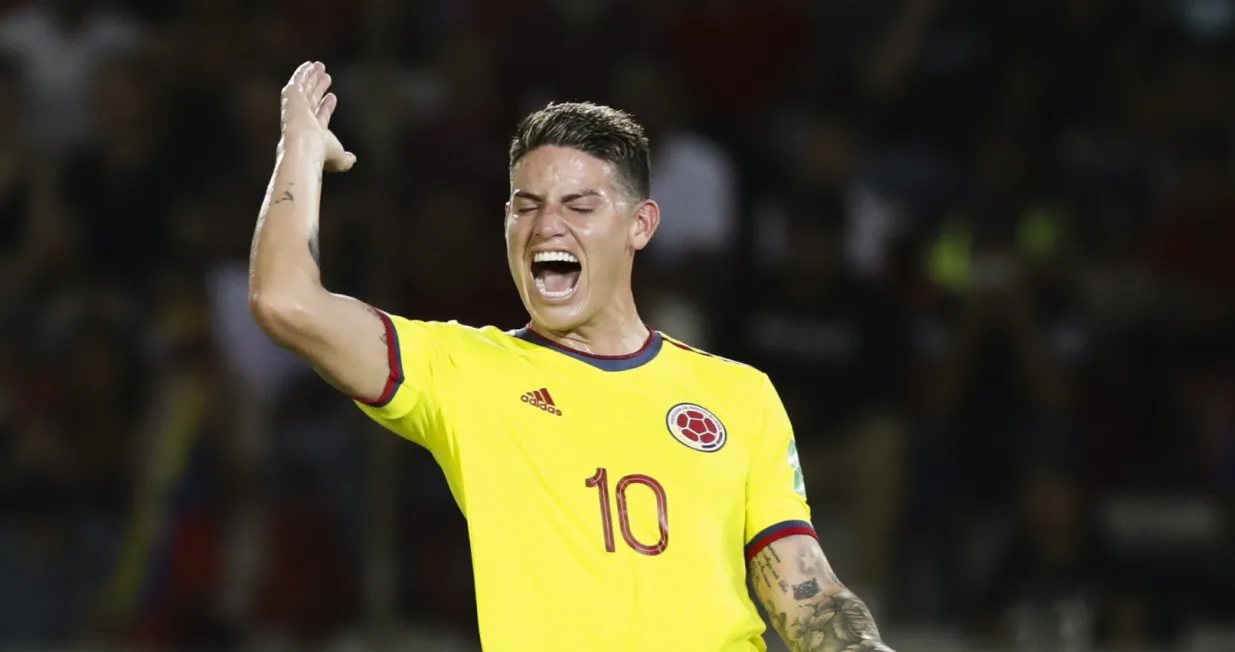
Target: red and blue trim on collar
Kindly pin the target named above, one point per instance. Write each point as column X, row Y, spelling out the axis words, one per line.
column 644, row 355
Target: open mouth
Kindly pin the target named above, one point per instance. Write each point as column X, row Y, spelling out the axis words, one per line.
column 556, row 273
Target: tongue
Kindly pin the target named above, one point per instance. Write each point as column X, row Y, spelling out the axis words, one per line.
column 557, row 281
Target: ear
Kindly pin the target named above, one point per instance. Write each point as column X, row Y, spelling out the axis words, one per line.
column 507, row 214
column 647, row 220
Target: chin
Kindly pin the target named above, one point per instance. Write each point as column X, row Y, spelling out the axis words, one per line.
column 557, row 317
column 556, row 314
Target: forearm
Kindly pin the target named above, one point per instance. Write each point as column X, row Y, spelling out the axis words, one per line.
column 809, row 607
column 345, row 340
column 284, row 261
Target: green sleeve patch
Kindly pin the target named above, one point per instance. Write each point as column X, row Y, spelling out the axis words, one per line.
column 799, row 482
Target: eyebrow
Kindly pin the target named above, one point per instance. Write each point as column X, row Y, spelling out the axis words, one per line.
column 531, row 196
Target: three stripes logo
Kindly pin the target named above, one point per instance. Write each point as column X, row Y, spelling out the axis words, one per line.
column 541, row 399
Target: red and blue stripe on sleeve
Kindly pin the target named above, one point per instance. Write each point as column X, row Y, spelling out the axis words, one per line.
column 776, row 533
column 395, row 361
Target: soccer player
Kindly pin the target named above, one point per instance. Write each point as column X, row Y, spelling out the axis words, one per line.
column 620, row 487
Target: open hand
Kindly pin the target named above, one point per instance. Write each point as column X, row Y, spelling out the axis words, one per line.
column 307, row 107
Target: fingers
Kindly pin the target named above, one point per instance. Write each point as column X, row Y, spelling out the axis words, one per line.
column 311, row 82
column 326, row 109
column 302, row 71
column 323, row 83
column 311, row 78
column 307, row 92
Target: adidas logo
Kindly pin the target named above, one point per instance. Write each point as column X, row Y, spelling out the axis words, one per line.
column 541, row 399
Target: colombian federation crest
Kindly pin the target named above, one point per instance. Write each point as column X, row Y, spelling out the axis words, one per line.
column 696, row 427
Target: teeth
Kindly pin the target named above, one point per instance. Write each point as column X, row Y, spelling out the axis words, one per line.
column 554, row 257
column 540, row 285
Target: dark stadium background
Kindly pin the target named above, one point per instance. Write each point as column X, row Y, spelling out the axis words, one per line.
column 985, row 248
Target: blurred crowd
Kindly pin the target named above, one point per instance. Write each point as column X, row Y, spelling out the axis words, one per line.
column 984, row 248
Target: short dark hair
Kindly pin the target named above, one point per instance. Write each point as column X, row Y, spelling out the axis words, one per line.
column 606, row 133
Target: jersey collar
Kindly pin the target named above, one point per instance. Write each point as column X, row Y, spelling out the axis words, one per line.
column 644, row 355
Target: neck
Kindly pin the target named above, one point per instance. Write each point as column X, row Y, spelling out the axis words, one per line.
column 615, row 332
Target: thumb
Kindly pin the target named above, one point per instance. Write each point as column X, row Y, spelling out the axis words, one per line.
column 343, row 163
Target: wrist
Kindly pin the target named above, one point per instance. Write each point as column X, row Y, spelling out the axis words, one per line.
column 302, row 149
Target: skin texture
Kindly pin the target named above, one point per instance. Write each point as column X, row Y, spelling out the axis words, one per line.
column 806, row 602
column 340, row 336
column 561, row 200
column 565, row 200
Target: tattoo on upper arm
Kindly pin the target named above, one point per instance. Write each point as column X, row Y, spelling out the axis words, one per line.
column 386, row 341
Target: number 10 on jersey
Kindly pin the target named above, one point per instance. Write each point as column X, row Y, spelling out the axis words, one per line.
column 601, row 482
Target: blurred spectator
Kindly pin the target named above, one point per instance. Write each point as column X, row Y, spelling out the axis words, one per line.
column 59, row 44
column 832, row 344
column 695, row 183
column 1047, row 588
column 982, row 248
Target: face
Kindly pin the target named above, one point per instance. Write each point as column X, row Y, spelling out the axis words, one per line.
column 571, row 237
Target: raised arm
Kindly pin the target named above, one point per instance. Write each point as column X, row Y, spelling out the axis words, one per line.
column 344, row 339
column 809, row 607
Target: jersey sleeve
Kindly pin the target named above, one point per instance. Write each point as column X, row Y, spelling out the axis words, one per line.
column 422, row 360
column 775, row 492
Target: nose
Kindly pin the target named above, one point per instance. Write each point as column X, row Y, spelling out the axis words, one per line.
column 549, row 223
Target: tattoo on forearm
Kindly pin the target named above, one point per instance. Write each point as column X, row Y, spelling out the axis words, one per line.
column 840, row 623
column 806, row 590
column 286, row 196
column 314, row 251
column 769, row 575
column 815, row 613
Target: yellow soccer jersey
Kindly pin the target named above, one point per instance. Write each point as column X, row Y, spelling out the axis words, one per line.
column 612, row 502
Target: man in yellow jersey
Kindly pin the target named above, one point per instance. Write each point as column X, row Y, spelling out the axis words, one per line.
column 620, row 487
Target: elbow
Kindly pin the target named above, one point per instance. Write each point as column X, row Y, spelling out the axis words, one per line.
column 280, row 316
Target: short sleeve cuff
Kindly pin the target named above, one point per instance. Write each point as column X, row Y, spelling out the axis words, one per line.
column 387, row 404
column 775, row 533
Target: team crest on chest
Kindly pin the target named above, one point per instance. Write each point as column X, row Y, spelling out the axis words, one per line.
column 696, row 427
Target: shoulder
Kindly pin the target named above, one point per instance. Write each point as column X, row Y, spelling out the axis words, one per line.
column 712, row 365
column 450, row 334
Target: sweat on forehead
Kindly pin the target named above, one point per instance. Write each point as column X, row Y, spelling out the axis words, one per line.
column 563, row 174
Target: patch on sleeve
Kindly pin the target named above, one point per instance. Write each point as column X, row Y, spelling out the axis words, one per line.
column 799, row 482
